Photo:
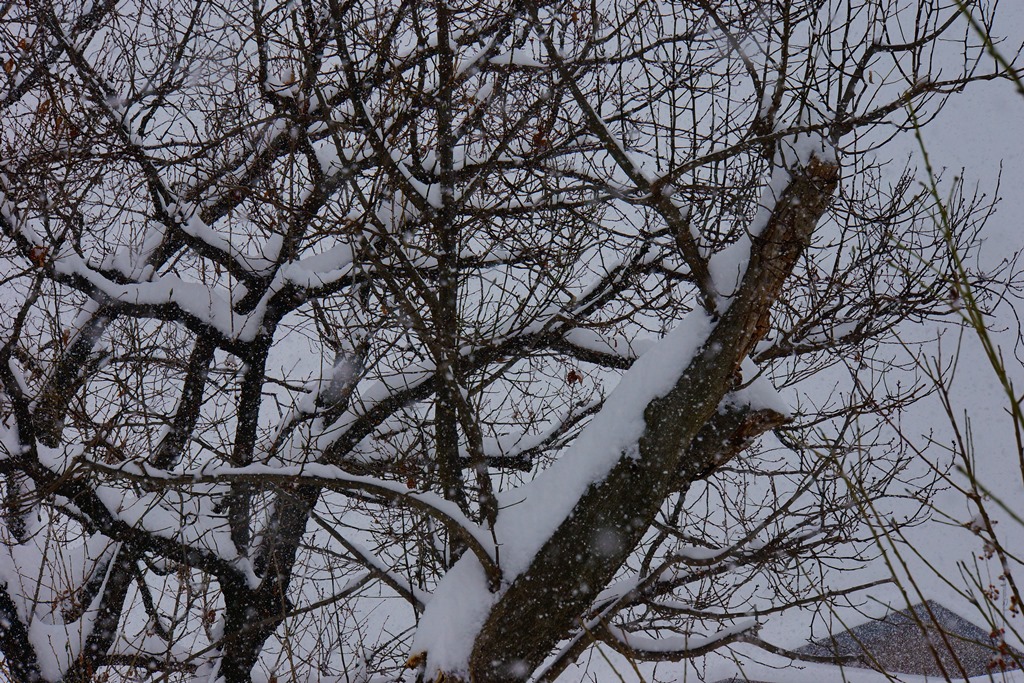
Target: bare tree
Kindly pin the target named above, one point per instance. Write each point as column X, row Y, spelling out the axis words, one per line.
column 351, row 334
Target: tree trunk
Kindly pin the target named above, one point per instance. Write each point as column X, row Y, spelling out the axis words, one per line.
column 544, row 603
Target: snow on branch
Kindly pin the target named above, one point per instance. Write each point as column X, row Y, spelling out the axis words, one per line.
column 326, row 476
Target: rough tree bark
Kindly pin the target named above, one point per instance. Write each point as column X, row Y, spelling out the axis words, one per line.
column 549, row 598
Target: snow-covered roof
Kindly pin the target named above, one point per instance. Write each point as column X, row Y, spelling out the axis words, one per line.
column 924, row 642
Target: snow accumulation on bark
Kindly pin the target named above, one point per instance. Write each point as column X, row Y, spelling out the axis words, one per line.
column 530, row 513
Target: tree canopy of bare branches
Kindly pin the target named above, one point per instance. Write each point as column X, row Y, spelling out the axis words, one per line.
column 341, row 337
